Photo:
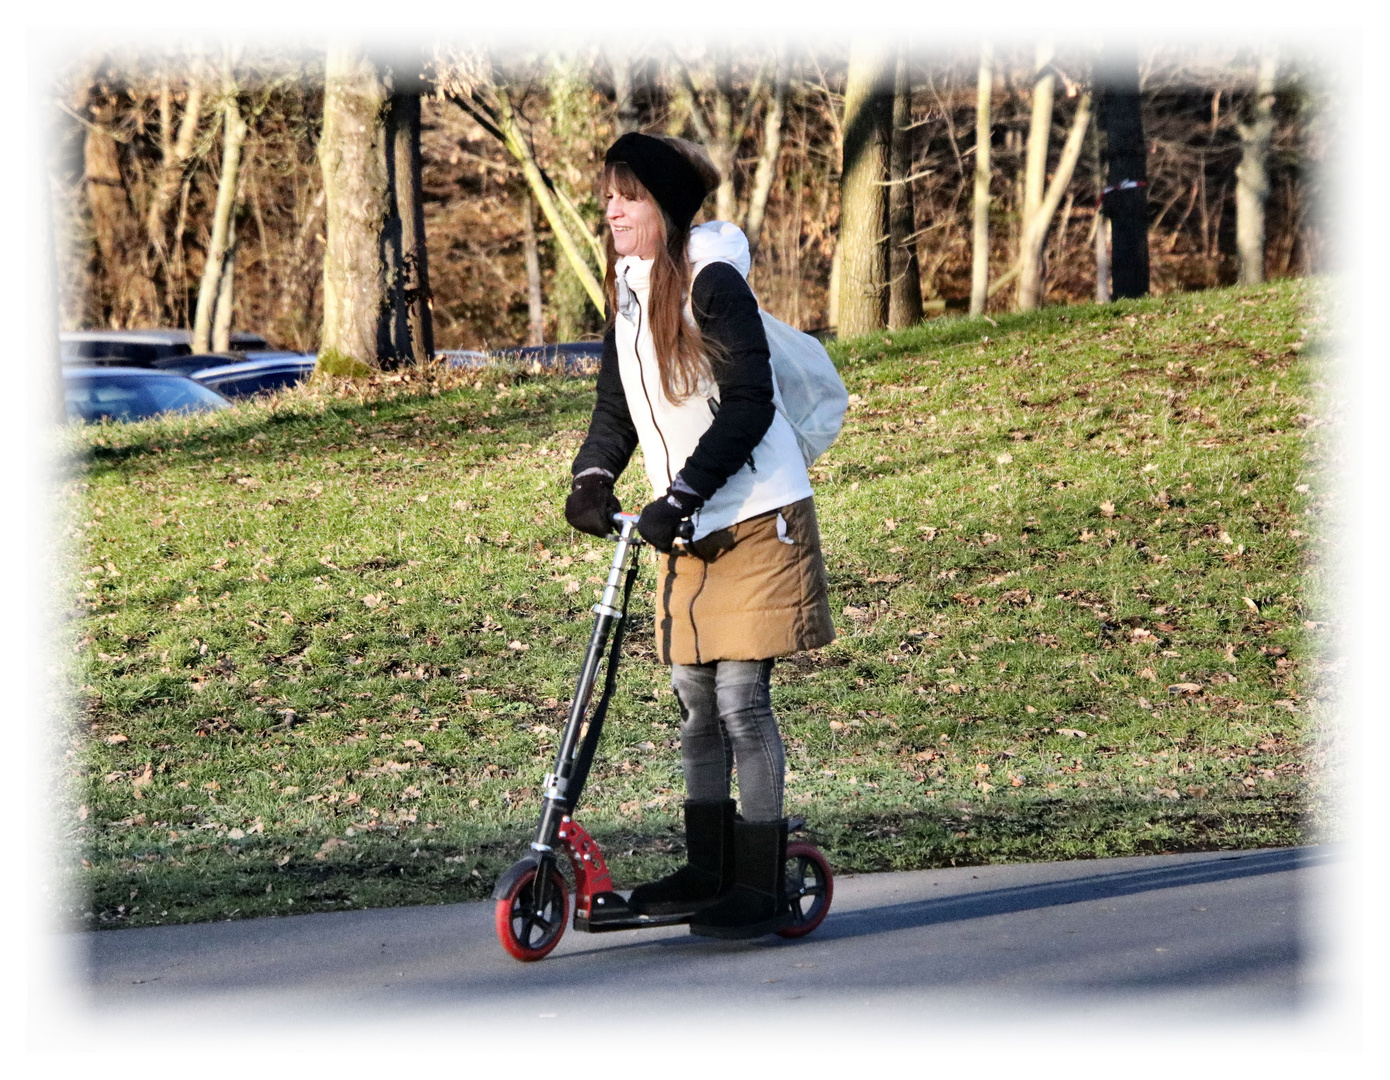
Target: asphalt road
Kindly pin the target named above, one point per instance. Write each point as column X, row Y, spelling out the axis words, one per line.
column 1200, row 936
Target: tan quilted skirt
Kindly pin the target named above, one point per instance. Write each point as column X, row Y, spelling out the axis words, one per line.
column 745, row 592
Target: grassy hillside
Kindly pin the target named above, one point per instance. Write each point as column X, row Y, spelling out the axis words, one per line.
column 321, row 648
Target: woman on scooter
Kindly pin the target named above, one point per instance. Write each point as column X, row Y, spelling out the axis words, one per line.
column 686, row 375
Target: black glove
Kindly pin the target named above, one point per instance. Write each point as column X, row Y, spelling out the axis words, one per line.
column 662, row 518
column 592, row 504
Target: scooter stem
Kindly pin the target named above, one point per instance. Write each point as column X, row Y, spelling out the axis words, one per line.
column 558, row 796
column 627, row 538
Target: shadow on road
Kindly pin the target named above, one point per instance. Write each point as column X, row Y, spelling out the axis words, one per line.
column 864, row 922
column 1071, row 891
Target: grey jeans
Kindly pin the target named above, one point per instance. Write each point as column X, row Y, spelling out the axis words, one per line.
column 726, row 720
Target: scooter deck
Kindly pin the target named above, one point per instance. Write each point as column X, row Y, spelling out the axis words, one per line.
column 610, row 912
column 630, row 922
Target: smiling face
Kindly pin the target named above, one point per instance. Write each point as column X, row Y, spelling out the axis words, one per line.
column 635, row 224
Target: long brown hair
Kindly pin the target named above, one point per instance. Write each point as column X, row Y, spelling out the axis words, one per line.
column 683, row 355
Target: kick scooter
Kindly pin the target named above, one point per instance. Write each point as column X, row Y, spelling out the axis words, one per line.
column 532, row 902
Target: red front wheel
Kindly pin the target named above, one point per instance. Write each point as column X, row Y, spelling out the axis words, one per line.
column 808, row 890
column 526, row 931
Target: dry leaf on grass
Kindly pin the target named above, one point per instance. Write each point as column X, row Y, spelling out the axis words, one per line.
column 332, row 844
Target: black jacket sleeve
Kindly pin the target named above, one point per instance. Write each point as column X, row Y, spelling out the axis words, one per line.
column 612, row 437
column 727, row 314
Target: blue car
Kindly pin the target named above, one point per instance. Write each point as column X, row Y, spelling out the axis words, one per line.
column 117, row 393
column 259, row 373
column 140, row 348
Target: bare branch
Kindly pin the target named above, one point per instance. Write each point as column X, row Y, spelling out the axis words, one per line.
column 702, row 128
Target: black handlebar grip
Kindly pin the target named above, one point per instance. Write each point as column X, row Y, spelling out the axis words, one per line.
column 686, row 529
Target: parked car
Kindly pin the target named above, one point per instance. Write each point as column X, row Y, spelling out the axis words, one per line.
column 464, row 358
column 187, row 365
column 257, row 374
column 116, row 393
column 567, row 357
column 141, row 348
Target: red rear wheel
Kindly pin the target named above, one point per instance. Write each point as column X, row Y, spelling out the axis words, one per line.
column 809, row 889
column 524, row 931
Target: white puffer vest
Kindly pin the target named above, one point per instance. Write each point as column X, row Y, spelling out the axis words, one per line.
column 669, row 431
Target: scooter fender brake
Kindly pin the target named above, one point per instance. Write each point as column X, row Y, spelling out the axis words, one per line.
column 513, row 874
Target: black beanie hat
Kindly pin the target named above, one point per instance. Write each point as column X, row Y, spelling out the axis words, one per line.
column 674, row 182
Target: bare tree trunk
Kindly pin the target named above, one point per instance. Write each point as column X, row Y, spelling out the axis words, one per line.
column 1100, row 225
column 832, row 180
column 979, row 258
column 772, row 149
column 216, row 262
column 562, row 218
column 625, row 108
column 1035, row 176
column 724, row 146
column 904, row 276
column 720, row 132
column 1252, row 176
column 1035, row 228
column 304, row 271
column 222, row 320
column 832, row 297
column 572, row 121
column 1102, row 259
column 1125, row 197
column 863, row 203
column 535, row 306
column 132, row 299
column 43, row 350
column 408, row 272
column 352, row 152
column 176, row 154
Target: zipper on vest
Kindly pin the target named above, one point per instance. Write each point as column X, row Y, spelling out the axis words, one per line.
column 642, row 376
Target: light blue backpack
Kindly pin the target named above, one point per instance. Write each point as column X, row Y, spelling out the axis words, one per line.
column 808, row 391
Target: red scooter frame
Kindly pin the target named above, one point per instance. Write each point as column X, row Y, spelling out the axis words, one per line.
column 532, row 905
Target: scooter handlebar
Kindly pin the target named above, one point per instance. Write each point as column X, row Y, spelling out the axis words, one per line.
column 684, row 531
